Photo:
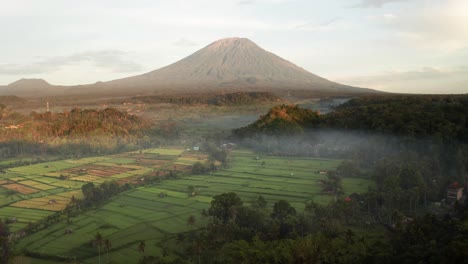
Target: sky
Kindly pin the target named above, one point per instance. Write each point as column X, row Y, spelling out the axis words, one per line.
column 409, row 46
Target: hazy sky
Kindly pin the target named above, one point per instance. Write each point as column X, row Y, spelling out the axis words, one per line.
column 416, row 46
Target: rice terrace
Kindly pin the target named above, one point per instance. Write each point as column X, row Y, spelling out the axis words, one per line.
column 35, row 197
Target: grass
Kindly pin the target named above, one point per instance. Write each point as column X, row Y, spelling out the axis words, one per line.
column 37, row 185
column 169, row 152
column 23, row 216
column 46, row 202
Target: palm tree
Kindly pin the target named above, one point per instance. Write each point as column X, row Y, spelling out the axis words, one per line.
column 191, row 220
column 107, row 247
column 197, row 248
column 141, row 246
column 97, row 242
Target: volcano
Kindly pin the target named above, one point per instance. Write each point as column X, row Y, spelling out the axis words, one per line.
column 231, row 64
column 226, row 65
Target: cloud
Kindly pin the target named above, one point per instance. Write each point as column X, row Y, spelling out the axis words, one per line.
column 376, row 3
column 183, row 42
column 112, row 60
column 440, row 27
column 324, row 26
column 423, row 80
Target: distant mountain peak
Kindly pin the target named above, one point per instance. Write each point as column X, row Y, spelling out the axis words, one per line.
column 30, row 83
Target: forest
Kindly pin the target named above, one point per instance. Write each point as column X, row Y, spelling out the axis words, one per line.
column 238, row 98
column 78, row 132
column 337, row 233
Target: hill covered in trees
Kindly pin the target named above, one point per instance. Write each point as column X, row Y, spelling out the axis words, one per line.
column 281, row 120
column 76, row 123
column 443, row 117
column 71, row 133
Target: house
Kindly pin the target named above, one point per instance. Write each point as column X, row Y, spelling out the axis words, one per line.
column 228, row 146
column 454, row 192
column 356, row 197
column 322, row 172
column 52, row 201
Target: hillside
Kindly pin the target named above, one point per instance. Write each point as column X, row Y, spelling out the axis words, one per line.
column 281, row 120
column 438, row 116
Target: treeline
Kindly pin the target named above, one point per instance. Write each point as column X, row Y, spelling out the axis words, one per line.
column 440, row 116
column 95, row 195
column 85, row 122
column 239, row 98
column 335, row 233
column 77, row 133
column 77, row 123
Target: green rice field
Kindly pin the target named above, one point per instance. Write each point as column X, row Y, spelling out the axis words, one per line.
column 140, row 214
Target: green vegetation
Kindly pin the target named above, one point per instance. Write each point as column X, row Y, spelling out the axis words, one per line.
column 50, row 186
column 74, row 124
column 158, row 213
column 441, row 116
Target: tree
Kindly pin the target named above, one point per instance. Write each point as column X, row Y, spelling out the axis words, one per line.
column 191, row 220
column 107, row 247
column 97, row 242
column 284, row 214
column 88, row 190
column 259, row 203
column 5, row 247
column 223, row 205
column 282, row 210
column 197, row 248
column 198, row 168
column 141, row 246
